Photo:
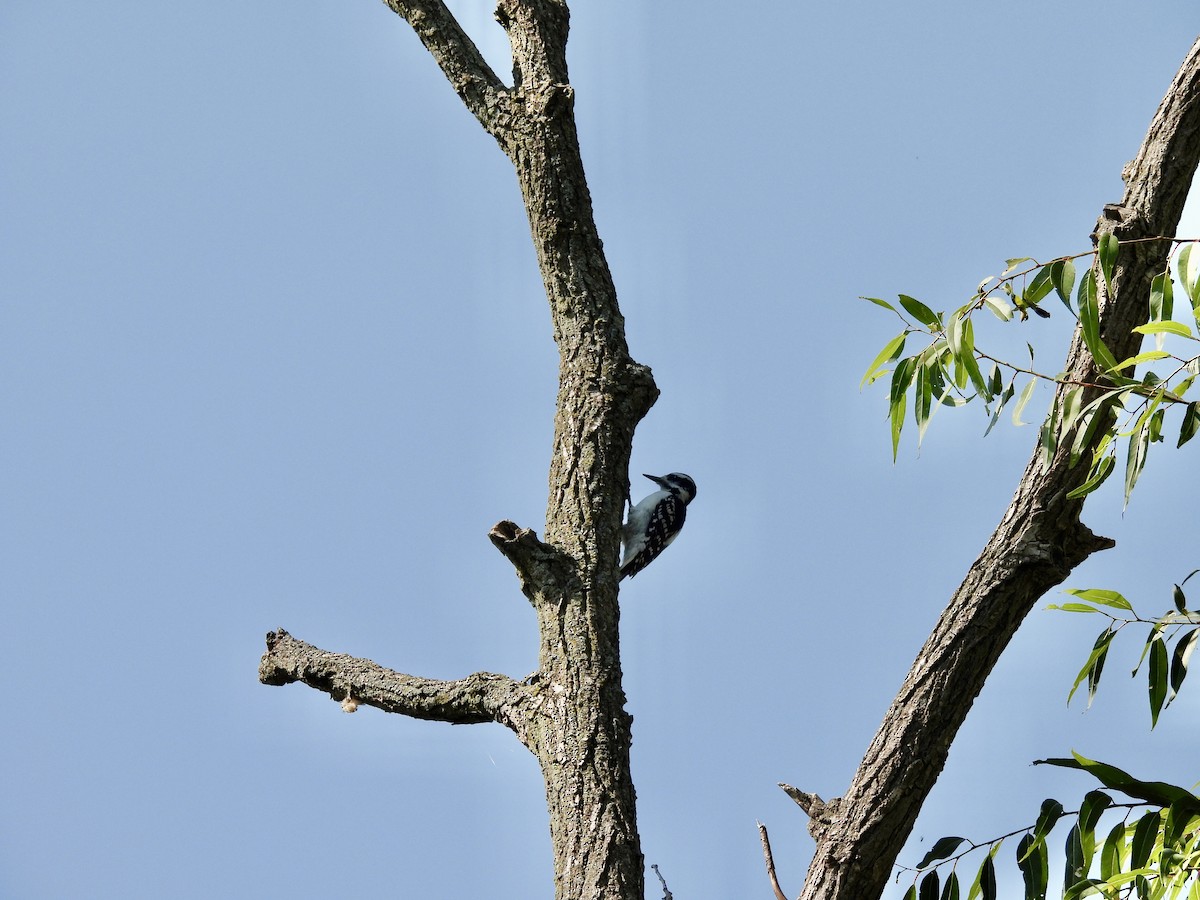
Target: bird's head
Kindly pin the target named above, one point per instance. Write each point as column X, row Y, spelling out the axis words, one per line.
column 677, row 483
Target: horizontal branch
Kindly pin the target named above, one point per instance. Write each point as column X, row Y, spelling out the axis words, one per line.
column 482, row 697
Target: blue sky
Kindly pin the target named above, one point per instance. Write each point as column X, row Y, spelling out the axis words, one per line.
column 275, row 354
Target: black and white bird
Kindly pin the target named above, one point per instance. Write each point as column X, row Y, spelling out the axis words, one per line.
column 655, row 522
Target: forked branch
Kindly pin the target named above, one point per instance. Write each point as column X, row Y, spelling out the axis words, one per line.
column 460, row 60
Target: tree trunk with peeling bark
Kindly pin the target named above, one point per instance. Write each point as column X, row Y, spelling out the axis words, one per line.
column 571, row 712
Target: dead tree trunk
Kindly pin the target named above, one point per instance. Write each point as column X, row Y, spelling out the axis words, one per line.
column 571, row 713
column 1036, row 545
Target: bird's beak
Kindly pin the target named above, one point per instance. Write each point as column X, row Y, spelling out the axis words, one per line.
column 659, row 481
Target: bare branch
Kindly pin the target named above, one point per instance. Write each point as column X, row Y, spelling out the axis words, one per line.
column 820, row 813
column 482, row 697
column 544, row 571
column 667, row 895
column 770, row 860
column 463, row 65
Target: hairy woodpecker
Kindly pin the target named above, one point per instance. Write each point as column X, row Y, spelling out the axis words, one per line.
column 655, row 522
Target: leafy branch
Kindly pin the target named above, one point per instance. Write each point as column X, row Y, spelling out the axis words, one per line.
column 1156, row 855
column 1164, row 678
column 1094, row 414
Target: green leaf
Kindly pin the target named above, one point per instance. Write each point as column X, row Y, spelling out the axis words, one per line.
column 1048, row 817
column 1073, row 607
column 942, row 848
column 1102, row 597
column 1022, row 401
column 1039, row 287
column 1094, row 674
column 920, row 312
column 879, row 302
column 1179, row 820
column 911, row 893
column 1109, row 246
column 1191, row 418
column 1002, row 310
column 1157, row 792
column 896, row 411
column 1156, row 424
column 1094, row 666
column 954, row 328
column 976, row 377
column 902, row 377
column 1095, row 415
column 1135, row 458
column 1162, row 296
column 1177, row 328
column 1063, row 274
column 1048, row 432
column 984, row 886
column 1176, row 393
column 1180, row 659
column 1147, row 356
column 1155, row 632
column 1093, row 807
column 1113, row 852
column 1071, row 408
column 1031, row 860
column 922, row 401
column 891, row 350
column 996, row 382
column 1145, row 834
column 1085, row 887
column 1180, row 599
column 1100, row 471
column 950, row 891
column 930, row 887
column 1157, row 680
column 1089, row 318
column 1191, row 284
column 1005, row 396
column 1076, row 862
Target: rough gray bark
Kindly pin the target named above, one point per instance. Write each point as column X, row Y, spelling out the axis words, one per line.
column 571, row 712
column 1036, row 545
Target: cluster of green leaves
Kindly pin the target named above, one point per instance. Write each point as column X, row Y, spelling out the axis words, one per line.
column 1150, row 851
column 949, row 369
column 1167, row 668
column 1152, row 847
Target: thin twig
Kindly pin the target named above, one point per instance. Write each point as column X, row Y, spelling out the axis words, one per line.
column 770, row 860
column 667, row 895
